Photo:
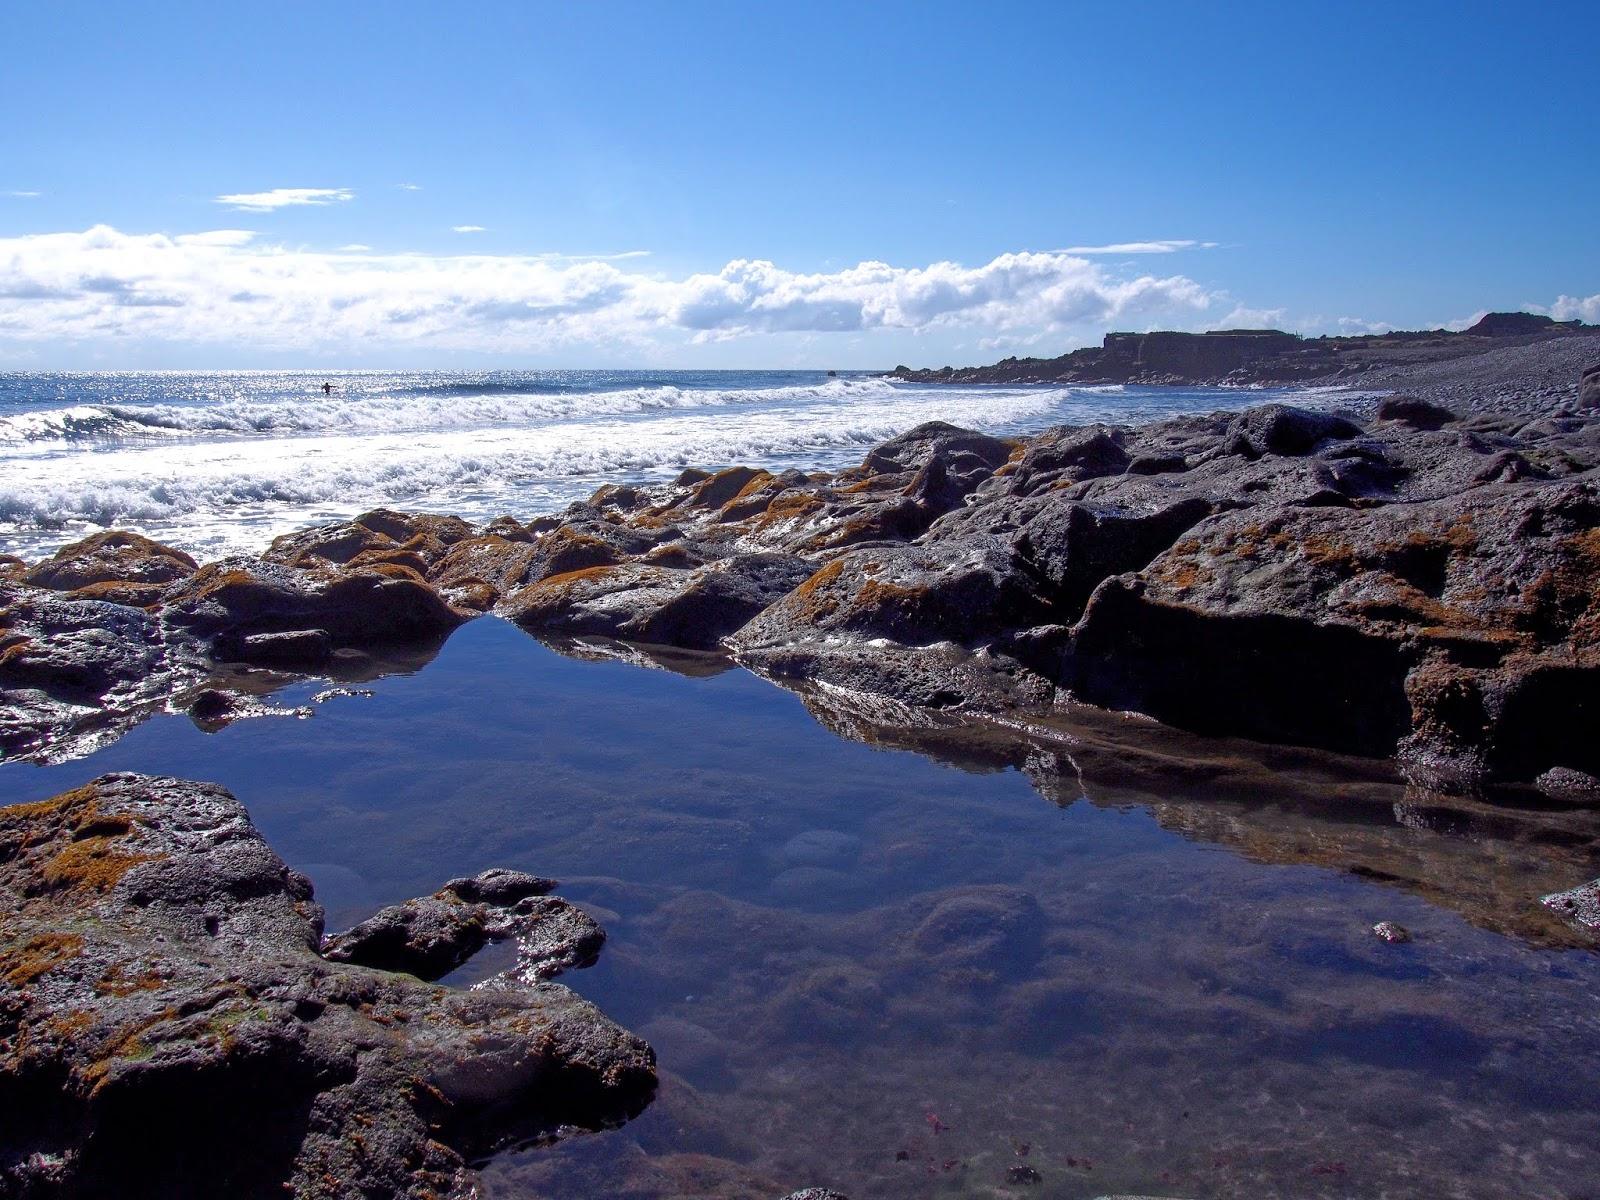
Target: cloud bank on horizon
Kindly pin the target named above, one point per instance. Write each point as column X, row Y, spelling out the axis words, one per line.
column 228, row 286
column 231, row 288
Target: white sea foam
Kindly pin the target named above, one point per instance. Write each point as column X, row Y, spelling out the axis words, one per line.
column 211, row 495
column 397, row 411
column 221, row 463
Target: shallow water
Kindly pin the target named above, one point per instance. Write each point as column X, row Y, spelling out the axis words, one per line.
column 1132, row 967
column 224, row 461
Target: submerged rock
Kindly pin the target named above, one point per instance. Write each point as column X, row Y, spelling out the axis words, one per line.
column 431, row 936
column 161, row 991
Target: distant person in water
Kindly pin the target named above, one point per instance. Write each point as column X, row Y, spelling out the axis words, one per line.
column 327, row 389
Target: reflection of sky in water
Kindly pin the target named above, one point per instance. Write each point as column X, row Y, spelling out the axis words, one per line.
column 831, row 944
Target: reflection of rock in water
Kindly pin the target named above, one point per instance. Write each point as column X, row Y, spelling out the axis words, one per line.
column 692, row 664
column 1488, row 857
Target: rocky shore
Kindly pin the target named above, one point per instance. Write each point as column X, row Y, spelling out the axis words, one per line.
column 1399, row 579
column 157, row 955
column 1414, row 578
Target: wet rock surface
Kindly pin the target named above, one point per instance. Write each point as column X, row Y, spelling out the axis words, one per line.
column 1414, row 578
column 1580, row 905
column 161, row 989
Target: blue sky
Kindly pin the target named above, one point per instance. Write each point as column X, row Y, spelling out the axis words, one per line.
column 1327, row 166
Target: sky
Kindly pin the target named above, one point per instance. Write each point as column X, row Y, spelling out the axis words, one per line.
column 764, row 184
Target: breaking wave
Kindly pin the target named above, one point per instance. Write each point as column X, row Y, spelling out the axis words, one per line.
column 218, row 463
column 399, row 410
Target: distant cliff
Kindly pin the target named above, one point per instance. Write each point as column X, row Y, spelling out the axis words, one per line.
column 1247, row 356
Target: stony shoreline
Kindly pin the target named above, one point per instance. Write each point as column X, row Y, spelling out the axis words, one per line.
column 1270, row 357
column 1415, row 578
column 1406, row 580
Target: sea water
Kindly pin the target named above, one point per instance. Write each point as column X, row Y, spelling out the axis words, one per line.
column 221, row 462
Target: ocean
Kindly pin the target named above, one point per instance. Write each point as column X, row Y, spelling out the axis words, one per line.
column 218, row 462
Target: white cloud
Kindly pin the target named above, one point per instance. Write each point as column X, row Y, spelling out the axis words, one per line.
column 468, row 229
column 216, row 237
column 618, row 256
column 409, row 187
column 354, row 248
column 1165, row 246
column 1576, row 308
column 1244, row 317
column 24, row 195
column 284, row 198
column 1360, row 325
column 229, row 288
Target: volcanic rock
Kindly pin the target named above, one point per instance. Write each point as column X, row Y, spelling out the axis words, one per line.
column 115, row 556
column 161, row 991
column 361, row 607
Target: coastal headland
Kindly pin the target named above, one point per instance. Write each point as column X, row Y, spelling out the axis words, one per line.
column 1259, row 356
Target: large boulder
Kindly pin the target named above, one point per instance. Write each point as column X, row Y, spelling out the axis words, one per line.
column 168, row 1028
column 904, row 621
column 1589, row 388
column 690, row 607
column 231, row 600
column 1414, row 412
column 1285, row 429
column 115, row 556
column 1468, row 626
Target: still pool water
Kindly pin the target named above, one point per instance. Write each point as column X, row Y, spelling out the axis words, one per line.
column 902, row 961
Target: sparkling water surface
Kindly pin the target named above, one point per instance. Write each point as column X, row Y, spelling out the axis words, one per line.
column 911, row 973
column 214, row 463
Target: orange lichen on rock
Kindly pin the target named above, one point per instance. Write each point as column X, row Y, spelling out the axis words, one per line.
column 88, row 856
column 91, row 864
column 38, row 956
column 1566, row 597
column 808, row 601
column 790, row 506
column 117, row 981
column 567, row 579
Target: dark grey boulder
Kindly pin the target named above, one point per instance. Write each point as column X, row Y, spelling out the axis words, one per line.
column 1589, row 388
column 1284, row 429
column 1414, row 412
